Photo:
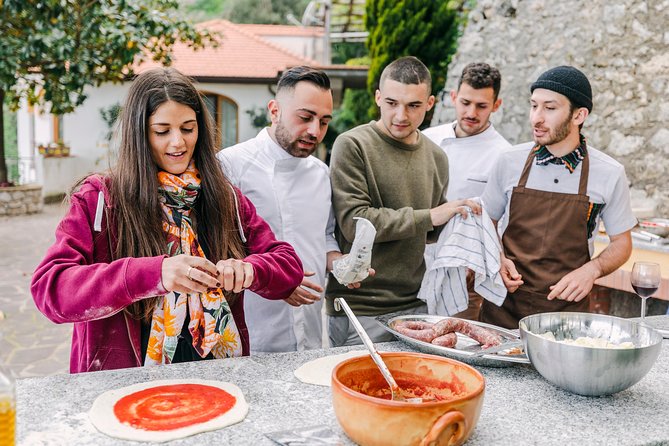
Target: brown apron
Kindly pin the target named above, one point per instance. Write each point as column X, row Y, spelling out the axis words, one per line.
column 546, row 238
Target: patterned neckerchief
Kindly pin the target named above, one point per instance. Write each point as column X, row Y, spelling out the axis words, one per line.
column 570, row 160
column 211, row 324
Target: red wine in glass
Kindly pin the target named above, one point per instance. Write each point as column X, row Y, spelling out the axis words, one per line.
column 644, row 291
column 645, row 281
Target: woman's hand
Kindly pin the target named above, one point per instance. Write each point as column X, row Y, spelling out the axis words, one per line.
column 189, row 274
column 235, row 275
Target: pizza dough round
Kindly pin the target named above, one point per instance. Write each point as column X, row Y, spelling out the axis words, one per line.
column 319, row 371
column 103, row 418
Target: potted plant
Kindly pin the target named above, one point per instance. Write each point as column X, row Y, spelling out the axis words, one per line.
column 54, row 149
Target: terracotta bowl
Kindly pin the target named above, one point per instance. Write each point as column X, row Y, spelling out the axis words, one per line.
column 361, row 399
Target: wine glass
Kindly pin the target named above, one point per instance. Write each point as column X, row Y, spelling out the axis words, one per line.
column 645, row 281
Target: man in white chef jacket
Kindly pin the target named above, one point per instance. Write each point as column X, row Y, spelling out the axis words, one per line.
column 291, row 191
column 471, row 141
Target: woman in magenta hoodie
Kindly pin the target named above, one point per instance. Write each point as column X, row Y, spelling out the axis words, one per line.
column 151, row 260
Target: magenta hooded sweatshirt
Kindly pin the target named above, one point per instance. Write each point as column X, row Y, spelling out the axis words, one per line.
column 77, row 281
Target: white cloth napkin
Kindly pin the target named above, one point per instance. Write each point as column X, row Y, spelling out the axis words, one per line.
column 354, row 267
column 464, row 243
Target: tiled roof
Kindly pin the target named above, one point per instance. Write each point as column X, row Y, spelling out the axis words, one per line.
column 242, row 53
column 282, row 30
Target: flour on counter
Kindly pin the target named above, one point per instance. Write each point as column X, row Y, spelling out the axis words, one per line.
column 62, row 431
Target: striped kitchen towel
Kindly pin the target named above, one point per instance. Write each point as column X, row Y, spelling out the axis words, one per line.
column 464, row 243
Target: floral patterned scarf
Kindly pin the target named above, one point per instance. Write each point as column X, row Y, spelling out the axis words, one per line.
column 211, row 323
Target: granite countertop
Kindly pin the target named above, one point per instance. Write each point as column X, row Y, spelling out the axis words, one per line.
column 661, row 246
column 520, row 407
column 660, row 323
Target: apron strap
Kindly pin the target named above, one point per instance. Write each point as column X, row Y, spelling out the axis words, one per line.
column 528, row 165
column 585, row 171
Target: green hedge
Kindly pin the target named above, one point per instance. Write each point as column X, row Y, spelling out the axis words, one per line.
column 11, row 145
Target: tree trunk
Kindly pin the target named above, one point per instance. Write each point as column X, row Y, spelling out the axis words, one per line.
column 3, row 163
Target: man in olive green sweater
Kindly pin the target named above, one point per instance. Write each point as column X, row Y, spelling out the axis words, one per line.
column 389, row 173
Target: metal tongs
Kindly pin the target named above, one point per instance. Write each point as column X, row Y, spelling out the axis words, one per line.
column 395, row 391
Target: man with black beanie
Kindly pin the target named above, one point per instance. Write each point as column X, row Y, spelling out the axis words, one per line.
column 555, row 191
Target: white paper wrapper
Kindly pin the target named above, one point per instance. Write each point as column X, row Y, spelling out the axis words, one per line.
column 354, row 267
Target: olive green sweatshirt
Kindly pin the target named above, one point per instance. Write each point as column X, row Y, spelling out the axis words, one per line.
column 393, row 185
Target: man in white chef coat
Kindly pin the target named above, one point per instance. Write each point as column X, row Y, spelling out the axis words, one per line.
column 471, row 141
column 291, row 191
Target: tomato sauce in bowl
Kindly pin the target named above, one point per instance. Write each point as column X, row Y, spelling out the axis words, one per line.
column 371, row 383
column 451, row 392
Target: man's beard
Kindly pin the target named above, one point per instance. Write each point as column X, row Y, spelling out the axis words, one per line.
column 283, row 137
column 554, row 137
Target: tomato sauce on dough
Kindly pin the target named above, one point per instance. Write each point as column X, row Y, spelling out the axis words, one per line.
column 164, row 408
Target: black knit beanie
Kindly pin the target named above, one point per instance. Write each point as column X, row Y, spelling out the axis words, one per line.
column 567, row 81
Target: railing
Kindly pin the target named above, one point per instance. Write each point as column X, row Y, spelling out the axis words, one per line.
column 21, row 170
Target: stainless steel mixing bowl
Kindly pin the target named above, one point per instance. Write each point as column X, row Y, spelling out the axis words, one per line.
column 586, row 370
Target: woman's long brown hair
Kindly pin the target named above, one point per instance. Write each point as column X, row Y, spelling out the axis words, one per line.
column 134, row 189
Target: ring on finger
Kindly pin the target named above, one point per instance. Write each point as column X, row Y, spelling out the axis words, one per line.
column 188, row 273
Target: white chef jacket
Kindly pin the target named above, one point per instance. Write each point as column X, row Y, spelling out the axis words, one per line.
column 470, row 159
column 293, row 195
column 607, row 185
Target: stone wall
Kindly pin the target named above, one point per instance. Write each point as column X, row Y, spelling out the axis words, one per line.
column 623, row 48
column 19, row 200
